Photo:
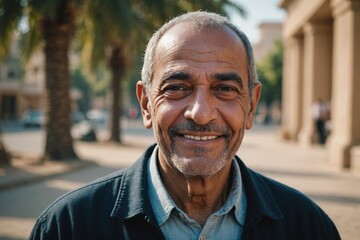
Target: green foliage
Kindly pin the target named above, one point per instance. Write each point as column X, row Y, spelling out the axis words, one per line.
column 101, row 28
column 100, row 25
column 102, row 82
column 270, row 74
column 10, row 13
column 45, row 8
column 105, row 23
column 80, row 82
column 96, row 83
column 28, row 12
column 31, row 38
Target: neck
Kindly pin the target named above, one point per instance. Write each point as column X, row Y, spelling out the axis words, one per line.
column 197, row 196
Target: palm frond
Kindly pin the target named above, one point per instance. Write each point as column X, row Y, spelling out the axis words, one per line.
column 156, row 9
column 30, row 40
column 10, row 13
column 45, row 7
column 237, row 8
column 116, row 13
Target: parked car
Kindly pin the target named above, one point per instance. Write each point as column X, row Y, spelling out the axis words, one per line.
column 33, row 118
column 97, row 116
column 78, row 117
column 84, row 131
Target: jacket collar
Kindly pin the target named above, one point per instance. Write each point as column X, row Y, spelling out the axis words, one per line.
column 260, row 200
column 133, row 200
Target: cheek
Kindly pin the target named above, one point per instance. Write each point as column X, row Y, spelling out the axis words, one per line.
column 165, row 114
column 234, row 113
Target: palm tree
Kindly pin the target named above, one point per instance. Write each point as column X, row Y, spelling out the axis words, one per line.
column 100, row 28
column 125, row 34
column 52, row 24
column 114, row 25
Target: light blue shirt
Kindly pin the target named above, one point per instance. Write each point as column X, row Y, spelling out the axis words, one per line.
column 226, row 223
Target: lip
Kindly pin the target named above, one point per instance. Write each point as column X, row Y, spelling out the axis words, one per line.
column 195, row 142
column 200, row 138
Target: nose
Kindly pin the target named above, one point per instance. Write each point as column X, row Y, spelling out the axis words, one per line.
column 201, row 109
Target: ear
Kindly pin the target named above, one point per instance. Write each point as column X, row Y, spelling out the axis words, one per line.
column 253, row 104
column 144, row 104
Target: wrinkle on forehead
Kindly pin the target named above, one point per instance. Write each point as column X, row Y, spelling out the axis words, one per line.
column 183, row 45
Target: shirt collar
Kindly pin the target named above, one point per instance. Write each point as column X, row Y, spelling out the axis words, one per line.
column 133, row 196
column 160, row 200
column 236, row 198
column 163, row 205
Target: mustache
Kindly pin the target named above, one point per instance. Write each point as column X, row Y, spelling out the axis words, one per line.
column 191, row 126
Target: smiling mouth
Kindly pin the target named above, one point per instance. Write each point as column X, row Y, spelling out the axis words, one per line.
column 200, row 138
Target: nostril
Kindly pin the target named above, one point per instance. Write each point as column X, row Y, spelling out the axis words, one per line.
column 200, row 113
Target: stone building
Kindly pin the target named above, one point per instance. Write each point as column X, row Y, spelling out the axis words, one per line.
column 269, row 33
column 21, row 88
column 10, row 80
column 322, row 61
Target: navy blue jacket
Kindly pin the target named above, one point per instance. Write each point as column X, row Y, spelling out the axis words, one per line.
column 118, row 207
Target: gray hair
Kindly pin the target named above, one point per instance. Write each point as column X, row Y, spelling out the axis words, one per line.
column 200, row 20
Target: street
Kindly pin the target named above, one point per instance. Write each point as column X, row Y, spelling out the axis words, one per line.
column 337, row 192
column 21, row 205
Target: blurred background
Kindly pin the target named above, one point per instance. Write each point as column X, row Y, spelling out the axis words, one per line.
column 68, row 71
column 69, row 65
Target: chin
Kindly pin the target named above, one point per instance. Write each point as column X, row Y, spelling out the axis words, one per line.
column 197, row 166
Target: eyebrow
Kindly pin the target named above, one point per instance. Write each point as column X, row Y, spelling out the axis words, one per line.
column 229, row 77
column 175, row 76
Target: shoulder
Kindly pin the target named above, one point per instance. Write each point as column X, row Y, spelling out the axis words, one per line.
column 75, row 211
column 260, row 186
column 104, row 188
column 102, row 192
column 294, row 210
column 288, row 199
column 301, row 212
column 98, row 203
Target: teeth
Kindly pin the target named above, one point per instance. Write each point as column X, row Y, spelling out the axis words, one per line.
column 198, row 138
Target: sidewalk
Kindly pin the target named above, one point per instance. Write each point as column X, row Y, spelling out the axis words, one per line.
column 336, row 191
column 22, row 170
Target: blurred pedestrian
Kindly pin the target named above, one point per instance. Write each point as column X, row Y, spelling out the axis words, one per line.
column 319, row 112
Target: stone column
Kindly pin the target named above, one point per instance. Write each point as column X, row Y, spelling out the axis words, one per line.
column 346, row 81
column 317, row 73
column 295, row 87
column 284, row 132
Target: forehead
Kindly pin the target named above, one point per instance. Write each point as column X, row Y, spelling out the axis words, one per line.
column 186, row 43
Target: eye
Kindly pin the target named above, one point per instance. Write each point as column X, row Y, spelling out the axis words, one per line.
column 225, row 88
column 174, row 88
column 226, row 91
column 176, row 91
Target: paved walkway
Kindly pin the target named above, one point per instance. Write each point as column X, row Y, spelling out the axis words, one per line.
column 337, row 192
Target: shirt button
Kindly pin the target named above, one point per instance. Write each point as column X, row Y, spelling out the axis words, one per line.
column 202, row 238
column 180, row 215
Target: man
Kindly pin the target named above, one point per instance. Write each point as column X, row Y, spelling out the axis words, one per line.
column 198, row 92
column 319, row 112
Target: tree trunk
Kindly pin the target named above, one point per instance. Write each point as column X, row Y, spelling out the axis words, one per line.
column 57, row 33
column 4, row 155
column 117, row 65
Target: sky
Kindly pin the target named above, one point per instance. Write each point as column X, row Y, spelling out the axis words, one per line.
column 257, row 11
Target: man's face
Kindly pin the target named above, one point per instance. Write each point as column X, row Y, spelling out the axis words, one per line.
column 199, row 104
